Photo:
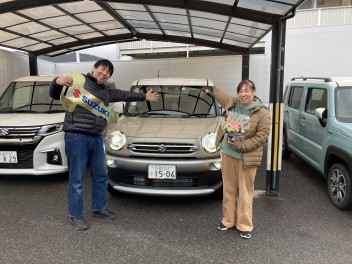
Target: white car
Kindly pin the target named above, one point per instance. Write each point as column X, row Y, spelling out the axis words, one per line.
column 31, row 136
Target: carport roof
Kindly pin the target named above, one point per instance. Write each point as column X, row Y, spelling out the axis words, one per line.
column 55, row 27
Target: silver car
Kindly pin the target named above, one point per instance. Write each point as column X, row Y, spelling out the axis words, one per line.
column 167, row 147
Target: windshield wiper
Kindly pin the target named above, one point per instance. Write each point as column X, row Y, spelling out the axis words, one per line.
column 195, row 115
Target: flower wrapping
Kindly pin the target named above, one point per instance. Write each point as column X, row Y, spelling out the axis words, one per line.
column 235, row 126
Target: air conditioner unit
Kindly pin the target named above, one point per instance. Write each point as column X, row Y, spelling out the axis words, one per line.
column 346, row 2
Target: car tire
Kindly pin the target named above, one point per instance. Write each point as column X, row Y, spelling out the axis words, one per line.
column 286, row 153
column 339, row 186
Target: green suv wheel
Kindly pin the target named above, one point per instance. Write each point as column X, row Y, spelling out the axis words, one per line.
column 339, row 186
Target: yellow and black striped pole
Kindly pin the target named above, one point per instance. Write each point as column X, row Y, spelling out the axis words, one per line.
column 274, row 155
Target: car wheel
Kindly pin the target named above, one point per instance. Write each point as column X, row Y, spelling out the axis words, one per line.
column 339, row 186
column 286, row 153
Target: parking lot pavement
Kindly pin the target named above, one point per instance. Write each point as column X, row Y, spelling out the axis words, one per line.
column 299, row 226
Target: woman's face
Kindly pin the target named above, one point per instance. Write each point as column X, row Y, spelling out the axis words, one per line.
column 246, row 95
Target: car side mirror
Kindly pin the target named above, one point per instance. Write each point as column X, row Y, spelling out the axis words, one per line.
column 322, row 114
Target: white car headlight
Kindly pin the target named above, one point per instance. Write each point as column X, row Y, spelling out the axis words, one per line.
column 117, row 140
column 208, row 143
column 50, row 129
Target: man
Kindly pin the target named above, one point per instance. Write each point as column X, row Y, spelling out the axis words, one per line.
column 84, row 144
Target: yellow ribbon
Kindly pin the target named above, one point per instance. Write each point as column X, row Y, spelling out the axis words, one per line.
column 77, row 95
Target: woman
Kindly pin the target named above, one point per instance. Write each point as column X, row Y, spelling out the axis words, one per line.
column 240, row 157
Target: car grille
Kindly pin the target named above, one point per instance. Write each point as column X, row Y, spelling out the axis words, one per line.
column 18, row 132
column 186, row 180
column 167, row 148
column 19, row 139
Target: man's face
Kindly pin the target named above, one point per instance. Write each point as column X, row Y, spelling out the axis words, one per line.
column 101, row 74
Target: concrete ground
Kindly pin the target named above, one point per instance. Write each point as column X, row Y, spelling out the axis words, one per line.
column 299, row 226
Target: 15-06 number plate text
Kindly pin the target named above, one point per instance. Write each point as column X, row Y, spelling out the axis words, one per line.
column 161, row 171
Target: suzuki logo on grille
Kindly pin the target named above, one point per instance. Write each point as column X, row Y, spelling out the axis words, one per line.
column 162, row 148
column 76, row 93
column 4, row 132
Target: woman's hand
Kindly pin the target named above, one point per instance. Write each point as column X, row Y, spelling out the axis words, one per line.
column 230, row 140
column 152, row 96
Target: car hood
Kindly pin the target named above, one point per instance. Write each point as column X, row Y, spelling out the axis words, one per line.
column 23, row 119
column 165, row 127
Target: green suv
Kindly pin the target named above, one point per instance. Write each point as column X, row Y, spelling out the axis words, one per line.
column 318, row 129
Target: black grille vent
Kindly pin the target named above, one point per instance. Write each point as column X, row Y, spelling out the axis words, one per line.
column 167, row 148
column 140, row 179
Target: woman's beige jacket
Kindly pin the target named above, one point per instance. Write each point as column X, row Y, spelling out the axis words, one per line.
column 257, row 134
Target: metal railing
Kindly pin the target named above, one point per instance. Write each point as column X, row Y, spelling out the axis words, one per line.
column 321, row 17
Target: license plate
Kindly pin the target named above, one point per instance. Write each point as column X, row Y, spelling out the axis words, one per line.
column 161, row 171
column 8, row 157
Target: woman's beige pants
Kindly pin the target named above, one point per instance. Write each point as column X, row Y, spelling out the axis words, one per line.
column 238, row 184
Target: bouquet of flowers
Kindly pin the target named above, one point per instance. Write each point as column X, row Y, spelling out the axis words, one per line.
column 235, row 125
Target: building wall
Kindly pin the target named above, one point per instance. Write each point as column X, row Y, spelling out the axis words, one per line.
column 331, row 3
column 323, row 51
column 223, row 71
column 13, row 66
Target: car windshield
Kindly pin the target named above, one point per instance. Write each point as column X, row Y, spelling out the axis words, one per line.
column 29, row 97
column 174, row 101
column 343, row 101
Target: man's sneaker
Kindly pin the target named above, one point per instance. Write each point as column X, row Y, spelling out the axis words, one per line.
column 222, row 227
column 106, row 214
column 79, row 223
column 245, row 235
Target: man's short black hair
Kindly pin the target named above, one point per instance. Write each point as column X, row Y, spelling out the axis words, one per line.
column 105, row 63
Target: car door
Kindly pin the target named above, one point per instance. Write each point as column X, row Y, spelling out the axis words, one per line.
column 312, row 134
column 291, row 115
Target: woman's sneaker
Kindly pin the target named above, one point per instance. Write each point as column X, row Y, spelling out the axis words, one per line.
column 245, row 234
column 222, row 227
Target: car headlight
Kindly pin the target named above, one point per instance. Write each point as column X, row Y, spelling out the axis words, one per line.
column 50, row 129
column 208, row 143
column 117, row 140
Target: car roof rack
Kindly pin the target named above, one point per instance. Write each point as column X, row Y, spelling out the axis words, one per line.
column 326, row 79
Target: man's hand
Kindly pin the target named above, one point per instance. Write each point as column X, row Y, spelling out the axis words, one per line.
column 64, row 81
column 152, row 96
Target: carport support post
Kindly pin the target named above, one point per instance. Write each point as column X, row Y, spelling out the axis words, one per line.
column 33, row 64
column 276, row 107
column 245, row 65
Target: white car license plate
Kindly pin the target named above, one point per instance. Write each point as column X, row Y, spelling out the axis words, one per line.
column 8, row 157
column 161, row 171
